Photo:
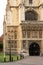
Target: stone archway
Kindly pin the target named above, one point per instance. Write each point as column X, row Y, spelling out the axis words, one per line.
column 31, row 15
column 34, row 49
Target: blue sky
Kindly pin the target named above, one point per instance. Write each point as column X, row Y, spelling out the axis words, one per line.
column 2, row 13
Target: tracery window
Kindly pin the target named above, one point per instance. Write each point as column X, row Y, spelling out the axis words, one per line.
column 31, row 15
column 28, row 34
column 40, row 34
column 12, row 46
column 15, row 34
column 30, row 1
column 15, row 44
column 23, row 34
column 10, row 43
column 34, row 34
column 24, row 44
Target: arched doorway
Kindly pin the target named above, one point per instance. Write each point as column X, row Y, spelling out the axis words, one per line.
column 34, row 49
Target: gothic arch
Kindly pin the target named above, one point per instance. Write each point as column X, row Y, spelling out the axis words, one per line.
column 31, row 15
column 34, row 49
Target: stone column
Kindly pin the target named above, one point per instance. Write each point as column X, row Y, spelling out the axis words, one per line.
column 19, row 39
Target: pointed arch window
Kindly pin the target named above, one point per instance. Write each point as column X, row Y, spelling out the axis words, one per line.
column 15, row 34
column 31, row 15
column 30, row 1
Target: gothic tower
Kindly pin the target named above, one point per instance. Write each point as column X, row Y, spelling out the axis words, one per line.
column 23, row 27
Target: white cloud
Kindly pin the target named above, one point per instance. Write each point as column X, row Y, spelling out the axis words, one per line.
column 2, row 13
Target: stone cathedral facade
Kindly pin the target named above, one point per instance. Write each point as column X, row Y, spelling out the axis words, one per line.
column 23, row 27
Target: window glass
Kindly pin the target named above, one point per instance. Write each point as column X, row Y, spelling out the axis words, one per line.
column 15, row 34
column 31, row 15
column 28, row 34
column 30, row 1
column 34, row 34
column 15, row 44
column 24, row 44
column 40, row 34
column 23, row 33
